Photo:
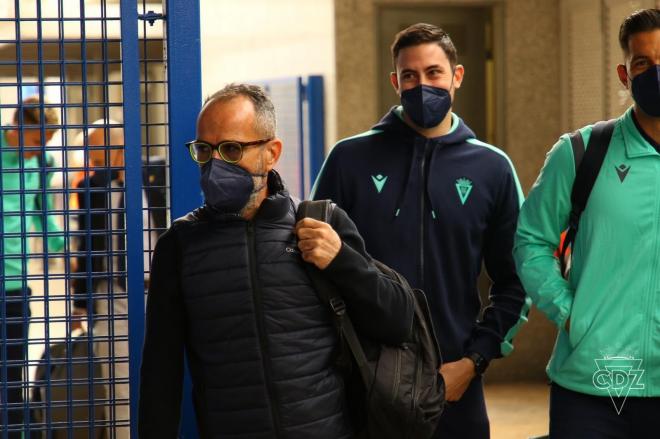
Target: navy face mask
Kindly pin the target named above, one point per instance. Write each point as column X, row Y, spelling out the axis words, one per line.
column 646, row 90
column 426, row 105
column 227, row 188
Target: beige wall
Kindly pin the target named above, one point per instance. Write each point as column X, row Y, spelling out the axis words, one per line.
column 251, row 40
column 590, row 86
column 532, row 106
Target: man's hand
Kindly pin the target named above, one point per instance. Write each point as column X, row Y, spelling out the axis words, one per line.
column 318, row 242
column 78, row 316
column 457, row 376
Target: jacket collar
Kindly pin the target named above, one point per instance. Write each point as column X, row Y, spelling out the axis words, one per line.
column 636, row 145
column 393, row 122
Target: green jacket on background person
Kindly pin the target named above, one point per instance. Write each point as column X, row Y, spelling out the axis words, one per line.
column 612, row 296
column 22, row 214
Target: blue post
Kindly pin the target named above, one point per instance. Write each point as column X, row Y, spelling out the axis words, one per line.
column 130, row 65
column 316, row 131
column 185, row 98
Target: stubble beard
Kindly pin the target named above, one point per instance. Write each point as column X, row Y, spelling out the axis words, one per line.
column 254, row 201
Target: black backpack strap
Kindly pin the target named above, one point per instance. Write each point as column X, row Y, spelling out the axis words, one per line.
column 322, row 210
column 587, row 167
column 577, row 143
column 319, row 210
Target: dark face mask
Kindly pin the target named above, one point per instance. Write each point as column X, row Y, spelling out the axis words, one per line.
column 426, row 105
column 227, row 188
column 646, row 90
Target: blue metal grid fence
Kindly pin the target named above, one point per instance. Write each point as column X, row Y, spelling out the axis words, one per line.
column 85, row 190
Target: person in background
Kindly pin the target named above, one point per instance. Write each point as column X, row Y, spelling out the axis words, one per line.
column 99, row 269
column 25, row 207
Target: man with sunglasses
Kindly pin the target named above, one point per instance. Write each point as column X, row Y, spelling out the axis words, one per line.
column 229, row 288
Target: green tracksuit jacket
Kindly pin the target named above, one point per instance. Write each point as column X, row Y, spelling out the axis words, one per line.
column 613, row 294
column 21, row 215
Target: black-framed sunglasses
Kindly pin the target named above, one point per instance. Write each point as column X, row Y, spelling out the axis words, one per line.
column 230, row 151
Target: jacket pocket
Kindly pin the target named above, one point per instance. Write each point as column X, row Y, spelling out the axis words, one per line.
column 581, row 321
column 577, row 331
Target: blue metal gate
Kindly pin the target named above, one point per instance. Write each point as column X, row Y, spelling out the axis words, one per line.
column 93, row 96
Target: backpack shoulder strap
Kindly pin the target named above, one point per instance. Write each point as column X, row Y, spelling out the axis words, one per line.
column 577, row 144
column 317, row 209
column 587, row 167
column 590, row 164
column 322, row 210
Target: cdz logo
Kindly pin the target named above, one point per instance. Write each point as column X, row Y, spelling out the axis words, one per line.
column 618, row 375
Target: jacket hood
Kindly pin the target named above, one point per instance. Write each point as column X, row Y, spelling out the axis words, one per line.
column 393, row 122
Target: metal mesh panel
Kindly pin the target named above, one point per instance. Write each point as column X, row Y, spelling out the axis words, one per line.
column 64, row 354
column 154, row 127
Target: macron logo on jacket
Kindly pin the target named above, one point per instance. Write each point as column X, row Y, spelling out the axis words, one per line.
column 379, row 182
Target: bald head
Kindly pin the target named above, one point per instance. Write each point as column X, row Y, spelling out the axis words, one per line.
column 233, row 119
column 263, row 121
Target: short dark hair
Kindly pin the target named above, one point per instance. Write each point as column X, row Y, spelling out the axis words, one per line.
column 31, row 109
column 264, row 109
column 422, row 33
column 644, row 20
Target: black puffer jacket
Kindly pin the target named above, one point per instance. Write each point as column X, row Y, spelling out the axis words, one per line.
column 234, row 294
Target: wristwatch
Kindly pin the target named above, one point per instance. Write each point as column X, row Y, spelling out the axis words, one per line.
column 480, row 363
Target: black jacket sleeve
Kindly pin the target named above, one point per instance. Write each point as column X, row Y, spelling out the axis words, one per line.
column 380, row 308
column 161, row 373
column 492, row 336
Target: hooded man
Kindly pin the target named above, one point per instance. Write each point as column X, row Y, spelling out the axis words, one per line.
column 433, row 202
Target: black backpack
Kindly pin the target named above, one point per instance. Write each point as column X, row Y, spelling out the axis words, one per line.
column 395, row 392
column 587, row 166
column 63, row 375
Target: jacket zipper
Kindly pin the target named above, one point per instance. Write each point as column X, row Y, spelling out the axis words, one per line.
column 263, row 341
column 423, row 217
column 650, row 301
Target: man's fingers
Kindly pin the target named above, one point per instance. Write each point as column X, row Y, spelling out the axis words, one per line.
column 310, row 233
column 310, row 251
column 307, row 244
column 306, row 233
column 310, row 256
column 311, row 223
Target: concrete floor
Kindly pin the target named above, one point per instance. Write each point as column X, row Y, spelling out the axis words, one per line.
column 517, row 411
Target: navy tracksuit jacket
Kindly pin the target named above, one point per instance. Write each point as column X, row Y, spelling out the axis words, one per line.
column 433, row 209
